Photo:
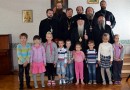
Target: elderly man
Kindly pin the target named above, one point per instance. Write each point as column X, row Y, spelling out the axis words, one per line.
column 79, row 34
column 48, row 24
column 60, row 16
column 110, row 19
column 90, row 22
column 100, row 29
column 80, row 11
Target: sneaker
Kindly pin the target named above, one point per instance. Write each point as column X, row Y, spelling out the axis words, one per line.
column 43, row 86
column 119, row 82
column 116, row 82
column 90, row 82
column 36, row 87
column 94, row 82
column 60, row 82
column 110, row 82
column 104, row 83
column 63, row 80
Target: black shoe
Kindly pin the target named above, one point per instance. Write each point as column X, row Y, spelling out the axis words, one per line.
column 29, row 87
column 21, row 88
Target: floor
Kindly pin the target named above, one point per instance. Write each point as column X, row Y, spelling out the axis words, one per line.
column 10, row 82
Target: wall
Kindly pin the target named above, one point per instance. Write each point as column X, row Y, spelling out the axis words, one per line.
column 11, row 17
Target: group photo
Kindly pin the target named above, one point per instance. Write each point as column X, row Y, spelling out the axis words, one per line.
column 73, row 49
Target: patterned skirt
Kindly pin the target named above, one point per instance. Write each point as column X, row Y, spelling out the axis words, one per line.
column 105, row 61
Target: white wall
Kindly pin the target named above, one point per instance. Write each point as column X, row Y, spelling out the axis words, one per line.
column 11, row 17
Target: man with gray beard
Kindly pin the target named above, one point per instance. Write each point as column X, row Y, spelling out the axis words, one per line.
column 90, row 22
column 79, row 34
column 100, row 29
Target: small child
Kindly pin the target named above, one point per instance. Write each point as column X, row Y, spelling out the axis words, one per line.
column 61, row 63
column 38, row 60
column 105, row 57
column 118, row 59
column 51, row 58
column 79, row 57
column 69, row 67
column 91, row 57
column 23, row 54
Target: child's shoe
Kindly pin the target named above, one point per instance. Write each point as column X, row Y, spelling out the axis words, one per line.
column 94, row 82
column 104, row 83
column 60, row 82
column 53, row 83
column 90, row 82
column 110, row 82
column 63, row 81
column 49, row 83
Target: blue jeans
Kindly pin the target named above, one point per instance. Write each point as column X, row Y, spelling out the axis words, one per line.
column 92, row 71
column 70, row 71
column 61, row 70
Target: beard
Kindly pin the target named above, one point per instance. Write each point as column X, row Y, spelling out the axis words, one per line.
column 89, row 16
column 59, row 11
column 50, row 17
column 101, row 25
column 80, row 30
column 103, row 8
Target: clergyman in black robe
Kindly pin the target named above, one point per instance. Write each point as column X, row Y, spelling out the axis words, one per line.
column 48, row 24
column 110, row 19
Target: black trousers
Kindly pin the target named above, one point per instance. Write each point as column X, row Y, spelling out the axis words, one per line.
column 51, row 71
column 21, row 74
column 117, row 67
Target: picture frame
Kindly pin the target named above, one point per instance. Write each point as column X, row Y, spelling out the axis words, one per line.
column 64, row 2
column 27, row 16
column 92, row 1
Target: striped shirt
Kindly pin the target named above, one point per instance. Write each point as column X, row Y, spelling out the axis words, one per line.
column 91, row 56
column 62, row 54
column 23, row 53
column 69, row 55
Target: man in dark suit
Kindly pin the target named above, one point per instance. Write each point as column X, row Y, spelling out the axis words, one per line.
column 48, row 24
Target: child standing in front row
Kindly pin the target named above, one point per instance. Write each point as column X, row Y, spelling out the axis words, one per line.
column 79, row 57
column 62, row 61
column 118, row 59
column 38, row 60
column 91, row 57
column 105, row 57
column 23, row 54
column 70, row 65
column 51, row 58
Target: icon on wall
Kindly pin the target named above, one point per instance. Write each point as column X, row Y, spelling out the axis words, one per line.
column 92, row 1
column 27, row 16
column 64, row 2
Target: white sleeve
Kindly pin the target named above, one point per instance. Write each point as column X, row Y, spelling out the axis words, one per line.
column 99, row 52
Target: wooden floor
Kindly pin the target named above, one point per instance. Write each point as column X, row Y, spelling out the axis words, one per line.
column 10, row 82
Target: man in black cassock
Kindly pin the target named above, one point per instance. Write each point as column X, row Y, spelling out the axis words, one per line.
column 110, row 19
column 79, row 34
column 80, row 11
column 48, row 24
column 60, row 16
column 69, row 13
column 100, row 29
column 90, row 22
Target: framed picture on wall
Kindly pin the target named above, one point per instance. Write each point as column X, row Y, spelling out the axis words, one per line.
column 92, row 1
column 64, row 2
column 27, row 16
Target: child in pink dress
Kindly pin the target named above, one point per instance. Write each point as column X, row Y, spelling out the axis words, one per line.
column 38, row 60
column 79, row 57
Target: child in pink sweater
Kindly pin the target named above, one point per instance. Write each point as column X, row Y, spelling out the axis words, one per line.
column 38, row 60
column 79, row 57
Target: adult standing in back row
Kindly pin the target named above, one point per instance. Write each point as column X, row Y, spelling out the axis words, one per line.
column 110, row 19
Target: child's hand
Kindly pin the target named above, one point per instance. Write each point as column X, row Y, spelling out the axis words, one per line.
column 44, row 64
column 96, row 65
column 110, row 62
column 25, row 64
column 87, row 66
column 54, row 64
column 65, row 65
column 99, row 62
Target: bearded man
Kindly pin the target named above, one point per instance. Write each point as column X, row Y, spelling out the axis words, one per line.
column 100, row 29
